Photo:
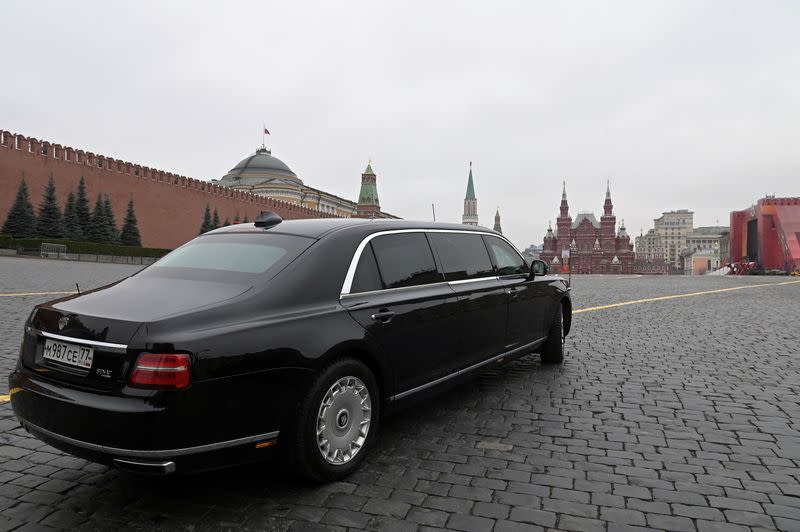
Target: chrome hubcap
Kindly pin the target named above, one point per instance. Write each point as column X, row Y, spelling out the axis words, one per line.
column 343, row 420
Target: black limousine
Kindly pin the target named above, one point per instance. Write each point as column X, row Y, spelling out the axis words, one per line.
column 293, row 334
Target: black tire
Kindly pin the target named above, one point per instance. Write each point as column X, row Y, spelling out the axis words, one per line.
column 305, row 451
column 553, row 348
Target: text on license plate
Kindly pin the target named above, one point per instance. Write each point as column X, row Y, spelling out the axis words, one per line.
column 79, row 356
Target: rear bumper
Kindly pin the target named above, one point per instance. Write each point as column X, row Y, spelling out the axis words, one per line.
column 209, row 425
column 160, row 461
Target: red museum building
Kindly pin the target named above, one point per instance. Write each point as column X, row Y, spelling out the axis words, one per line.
column 595, row 247
column 768, row 233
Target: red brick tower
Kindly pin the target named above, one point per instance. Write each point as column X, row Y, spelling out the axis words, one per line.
column 608, row 224
column 368, row 204
column 564, row 222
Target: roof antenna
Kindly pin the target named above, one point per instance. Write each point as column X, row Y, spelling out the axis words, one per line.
column 79, row 288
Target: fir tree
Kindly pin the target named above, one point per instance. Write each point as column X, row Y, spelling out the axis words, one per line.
column 206, row 227
column 236, row 218
column 246, row 220
column 111, row 220
column 130, row 229
column 226, row 223
column 215, row 220
column 21, row 220
column 49, row 221
column 82, row 209
column 72, row 226
column 99, row 228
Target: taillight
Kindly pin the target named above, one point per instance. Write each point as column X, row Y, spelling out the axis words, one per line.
column 162, row 371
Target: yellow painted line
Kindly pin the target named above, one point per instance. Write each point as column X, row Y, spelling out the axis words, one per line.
column 5, row 398
column 678, row 296
column 23, row 294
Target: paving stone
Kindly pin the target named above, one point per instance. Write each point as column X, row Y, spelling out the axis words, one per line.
column 735, row 504
column 346, row 518
column 698, row 512
column 426, row 516
column 388, row 508
column 720, row 526
column 670, row 522
column 581, row 524
column 448, row 504
column 472, row 493
column 469, row 523
column 491, row 509
column 622, row 516
column 345, row 501
column 533, row 516
column 749, row 518
column 514, row 526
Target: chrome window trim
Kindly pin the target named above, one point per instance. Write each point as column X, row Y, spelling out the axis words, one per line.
column 146, row 453
column 351, row 271
column 82, row 341
column 513, row 352
column 396, row 289
column 475, row 280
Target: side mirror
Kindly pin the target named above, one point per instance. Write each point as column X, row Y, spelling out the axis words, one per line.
column 539, row 267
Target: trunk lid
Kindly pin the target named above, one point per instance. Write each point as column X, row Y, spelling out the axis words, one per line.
column 84, row 339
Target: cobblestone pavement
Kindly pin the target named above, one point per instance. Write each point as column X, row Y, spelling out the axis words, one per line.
column 679, row 414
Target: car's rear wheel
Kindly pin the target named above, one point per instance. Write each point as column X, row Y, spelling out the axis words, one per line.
column 337, row 422
column 553, row 349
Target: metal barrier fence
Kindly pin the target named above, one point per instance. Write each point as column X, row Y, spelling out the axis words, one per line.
column 53, row 251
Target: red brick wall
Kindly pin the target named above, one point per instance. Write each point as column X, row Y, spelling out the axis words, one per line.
column 169, row 207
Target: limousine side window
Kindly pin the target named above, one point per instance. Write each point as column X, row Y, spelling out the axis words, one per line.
column 366, row 278
column 405, row 259
column 506, row 258
column 463, row 255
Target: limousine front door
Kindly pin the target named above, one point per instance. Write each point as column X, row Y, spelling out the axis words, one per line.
column 484, row 314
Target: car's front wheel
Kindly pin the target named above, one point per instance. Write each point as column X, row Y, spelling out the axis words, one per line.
column 553, row 348
column 337, row 421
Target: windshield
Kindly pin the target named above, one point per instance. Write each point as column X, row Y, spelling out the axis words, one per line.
column 230, row 257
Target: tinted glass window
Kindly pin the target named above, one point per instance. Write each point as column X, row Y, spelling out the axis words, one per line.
column 463, row 256
column 229, row 257
column 506, row 258
column 405, row 260
column 366, row 278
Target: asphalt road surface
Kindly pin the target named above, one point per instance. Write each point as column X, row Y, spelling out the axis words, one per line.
column 677, row 412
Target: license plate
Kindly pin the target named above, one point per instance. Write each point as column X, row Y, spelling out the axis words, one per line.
column 78, row 356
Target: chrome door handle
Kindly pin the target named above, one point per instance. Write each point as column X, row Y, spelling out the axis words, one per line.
column 384, row 316
column 512, row 292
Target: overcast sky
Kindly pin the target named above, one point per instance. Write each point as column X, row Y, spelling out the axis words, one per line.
column 680, row 104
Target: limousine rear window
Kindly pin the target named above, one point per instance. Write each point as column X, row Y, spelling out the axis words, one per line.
column 463, row 255
column 236, row 256
column 405, row 259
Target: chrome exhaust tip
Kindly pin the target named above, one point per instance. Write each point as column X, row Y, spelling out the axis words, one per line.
column 146, row 468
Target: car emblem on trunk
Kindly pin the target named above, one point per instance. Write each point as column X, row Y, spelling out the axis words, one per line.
column 62, row 322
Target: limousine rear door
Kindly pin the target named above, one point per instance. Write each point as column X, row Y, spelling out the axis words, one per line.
column 399, row 296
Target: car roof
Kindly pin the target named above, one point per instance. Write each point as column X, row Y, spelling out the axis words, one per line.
column 318, row 227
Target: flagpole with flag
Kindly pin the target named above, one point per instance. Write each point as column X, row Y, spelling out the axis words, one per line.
column 264, row 134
